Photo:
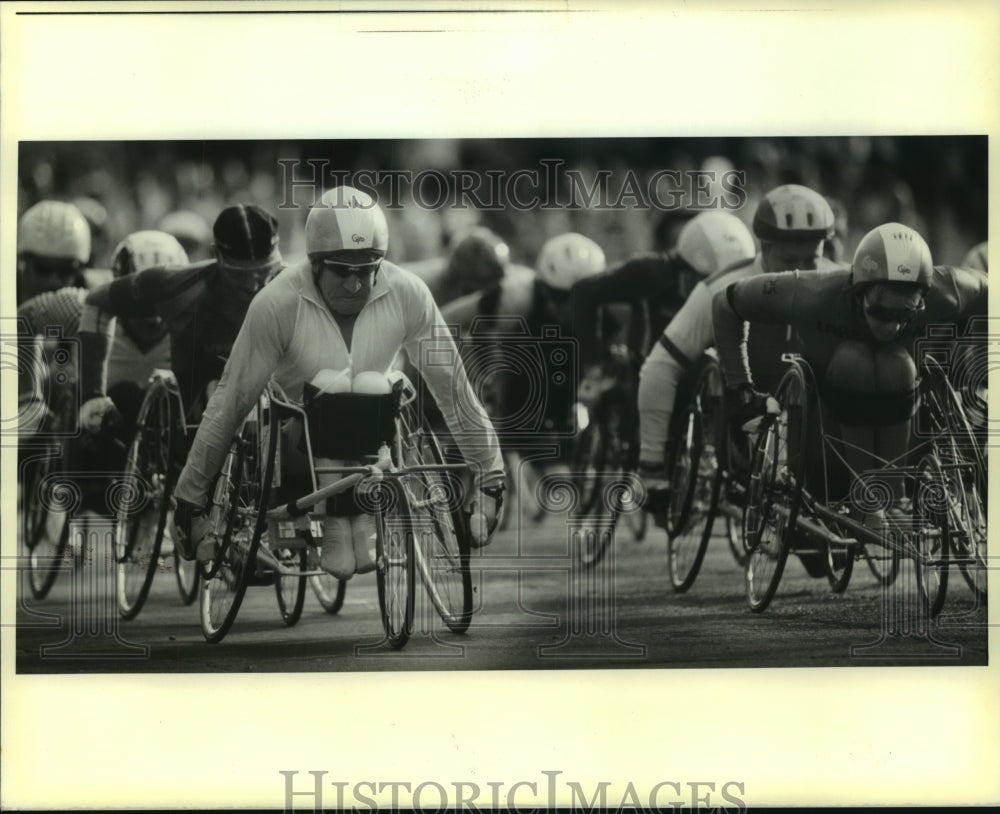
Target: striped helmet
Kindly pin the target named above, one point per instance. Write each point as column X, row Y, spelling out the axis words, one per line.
column 142, row 250
column 792, row 213
column 56, row 230
column 892, row 253
column 345, row 218
column 715, row 241
column 569, row 257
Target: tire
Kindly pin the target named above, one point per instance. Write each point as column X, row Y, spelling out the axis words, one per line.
column 696, row 485
column 930, row 545
column 839, row 562
column 603, row 499
column 734, row 538
column 395, row 572
column 44, row 531
column 961, row 460
column 442, row 550
column 883, row 564
column 241, row 498
column 773, row 496
column 329, row 591
column 290, row 591
column 141, row 523
column 188, row 578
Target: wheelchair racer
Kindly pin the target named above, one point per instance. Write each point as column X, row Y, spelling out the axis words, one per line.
column 343, row 308
column 793, row 224
column 857, row 327
column 201, row 305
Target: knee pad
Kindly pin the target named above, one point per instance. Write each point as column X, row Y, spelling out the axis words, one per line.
column 870, row 385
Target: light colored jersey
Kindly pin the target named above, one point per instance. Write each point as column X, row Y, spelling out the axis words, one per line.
column 290, row 334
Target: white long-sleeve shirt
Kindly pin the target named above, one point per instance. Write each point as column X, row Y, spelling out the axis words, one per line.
column 289, row 334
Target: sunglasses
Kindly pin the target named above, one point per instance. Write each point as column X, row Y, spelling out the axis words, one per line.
column 345, row 270
column 889, row 315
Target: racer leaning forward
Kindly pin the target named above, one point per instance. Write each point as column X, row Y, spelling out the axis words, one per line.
column 343, row 308
column 857, row 327
column 202, row 306
column 793, row 224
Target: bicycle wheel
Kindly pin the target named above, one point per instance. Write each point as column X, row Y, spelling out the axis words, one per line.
column 396, row 562
column 774, row 491
column 441, row 543
column 240, row 503
column 696, row 482
column 290, row 591
column 141, row 522
column 44, row 526
column 329, row 591
column 929, row 542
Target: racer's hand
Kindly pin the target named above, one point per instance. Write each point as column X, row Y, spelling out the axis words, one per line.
column 192, row 527
column 749, row 406
column 486, row 509
column 94, row 411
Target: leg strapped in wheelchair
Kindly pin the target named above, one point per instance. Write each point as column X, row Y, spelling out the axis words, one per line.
column 348, row 532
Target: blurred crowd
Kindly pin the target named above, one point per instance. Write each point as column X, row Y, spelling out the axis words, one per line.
column 937, row 185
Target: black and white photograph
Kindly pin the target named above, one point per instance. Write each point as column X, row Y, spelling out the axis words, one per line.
column 352, row 410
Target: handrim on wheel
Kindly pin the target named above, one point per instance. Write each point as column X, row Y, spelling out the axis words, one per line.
column 929, row 540
column 696, row 480
column 395, row 570
column 142, row 520
column 441, row 546
column 773, row 497
column 240, row 502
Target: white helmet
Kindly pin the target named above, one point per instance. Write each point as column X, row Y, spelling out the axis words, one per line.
column 345, row 218
column 56, row 230
column 142, row 250
column 566, row 258
column 715, row 241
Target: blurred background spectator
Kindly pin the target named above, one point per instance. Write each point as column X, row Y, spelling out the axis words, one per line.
column 936, row 184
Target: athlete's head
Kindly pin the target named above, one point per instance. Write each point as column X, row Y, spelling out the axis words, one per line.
column 478, row 261
column 146, row 249
column 563, row 261
column 138, row 252
column 346, row 240
column 792, row 222
column 889, row 276
column 246, row 248
column 100, row 236
column 192, row 232
column 709, row 243
column 53, row 247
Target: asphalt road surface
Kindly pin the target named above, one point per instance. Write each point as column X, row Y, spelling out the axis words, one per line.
column 533, row 610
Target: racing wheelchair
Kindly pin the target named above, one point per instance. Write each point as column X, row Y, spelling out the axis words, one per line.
column 802, row 494
column 606, row 450
column 266, row 528
column 155, row 457
column 704, row 460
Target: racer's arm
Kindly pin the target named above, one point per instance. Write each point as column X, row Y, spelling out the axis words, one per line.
column 429, row 342
column 633, row 281
column 956, row 293
column 769, row 298
column 511, row 297
column 54, row 311
column 683, row 341
column 258, row 348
